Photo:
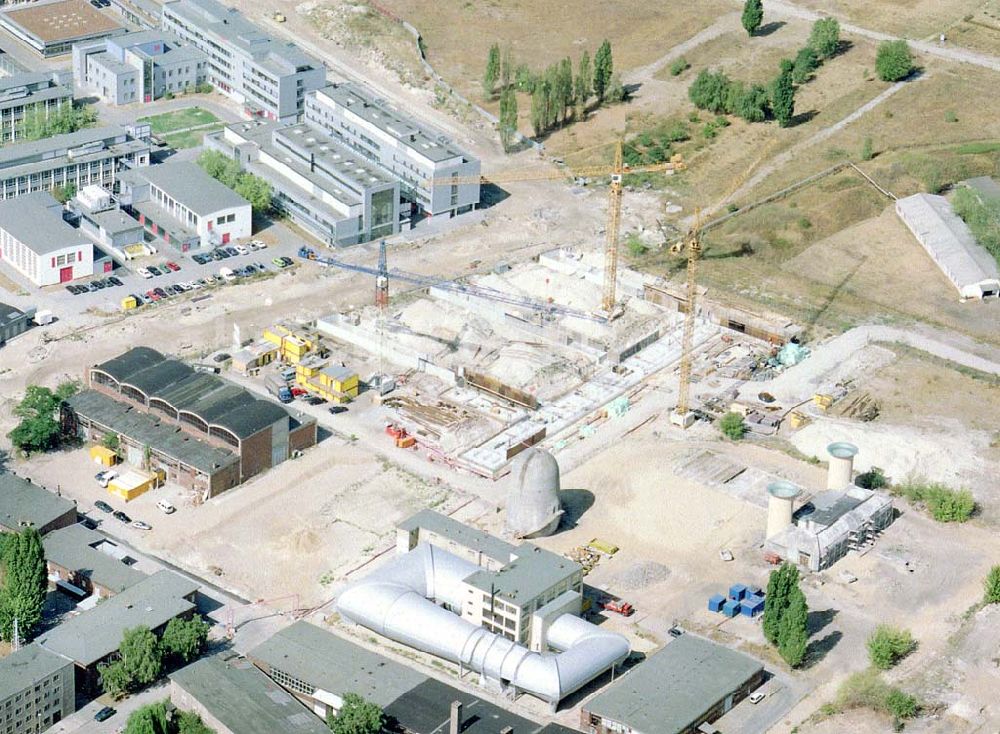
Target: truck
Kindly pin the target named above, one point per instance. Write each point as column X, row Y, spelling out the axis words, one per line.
column 279, row 389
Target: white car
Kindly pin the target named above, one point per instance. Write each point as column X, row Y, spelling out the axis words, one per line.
column 166, row 507
column 106, row 477
column 144, row 273
column 756, row 697
column 258, row 245
column 242, row 249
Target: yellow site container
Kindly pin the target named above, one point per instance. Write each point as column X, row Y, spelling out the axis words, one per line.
column 129, row 302
column 103, row 456
column 132, row 484
column 798, row 419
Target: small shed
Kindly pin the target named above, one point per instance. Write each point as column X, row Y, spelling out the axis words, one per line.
column 715, row 603
column 103, row 456
column 751, row 606
column 132, row 484
column 731, row 608
column 737, row 591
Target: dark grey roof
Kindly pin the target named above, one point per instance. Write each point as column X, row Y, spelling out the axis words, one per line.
column 9, row 313
column 77, row 548
column 35, row 220
column 243, row 699
column 213, row 399
column 674, row 688
column 147, row 429
column 24, row 502
column 58, row 144
column 420, row 704
column 305, row 651
column 461, row 533
column 827, row 507
column 187, row 183
column 22, row 669
column 534, row 571
column 97, row 633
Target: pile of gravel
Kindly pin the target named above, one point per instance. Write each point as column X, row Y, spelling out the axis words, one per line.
column 638, row 576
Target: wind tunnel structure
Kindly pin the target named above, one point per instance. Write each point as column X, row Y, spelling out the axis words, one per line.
column 401, row 601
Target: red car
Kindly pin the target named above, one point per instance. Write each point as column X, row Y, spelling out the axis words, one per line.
column 298, row 391
column 154, row 295
column 173, row 266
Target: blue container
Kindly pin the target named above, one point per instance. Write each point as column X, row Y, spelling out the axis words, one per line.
column 737, row 591
column 751, row 606
column 754, row 591
column 715, row 603
column 731, row 608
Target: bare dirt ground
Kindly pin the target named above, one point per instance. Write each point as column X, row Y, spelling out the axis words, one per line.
column 906, row 18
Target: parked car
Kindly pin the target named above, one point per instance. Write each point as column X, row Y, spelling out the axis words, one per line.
column 139, row 524
column 337, row 409
column 221, row 357
column 199, row 258
column 144, row 272
column 160, row 292
column 287, row 260
column 103, row 506
column 97, row 284
column 231, row 251
column 88, row 523
column 155, row 270
column 105, row 478
column 115, row 281
column 71, row 289
column 315, row 400
column 227, row 275
column 757, row 697
column 173, row 266
column 279, row 262
column 107, row 712
column 166, row 507
column 119, row 515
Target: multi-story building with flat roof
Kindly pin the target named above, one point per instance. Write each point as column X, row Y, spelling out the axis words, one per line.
column 36, row 690
column 322, row 185
column 268, row 77
column 36, row 241
column 412, row 151
column 41, row 94
column 51, row 27
column 91, row 156
column 138, row 67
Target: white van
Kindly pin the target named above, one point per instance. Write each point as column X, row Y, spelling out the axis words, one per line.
column 227, row 275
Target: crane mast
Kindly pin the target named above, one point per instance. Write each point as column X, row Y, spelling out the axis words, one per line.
column 614, row 222
column 682, row 415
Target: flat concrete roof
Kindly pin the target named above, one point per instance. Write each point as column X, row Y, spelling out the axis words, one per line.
column 461, row 533
column 675, row 687
column 243, row 699
column 35, row 220
column 22, row 669
column 534, row 571
column 188, row 184
column 62, row 20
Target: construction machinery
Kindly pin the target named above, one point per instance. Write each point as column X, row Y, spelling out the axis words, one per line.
column 617, row 173
column 682, row 415
column 619, row 607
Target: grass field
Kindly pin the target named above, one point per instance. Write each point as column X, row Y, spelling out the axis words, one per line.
column 906, row 18
column 189, row 138
column 179, row 120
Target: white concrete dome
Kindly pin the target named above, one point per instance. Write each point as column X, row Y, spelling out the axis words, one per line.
column 533, row 508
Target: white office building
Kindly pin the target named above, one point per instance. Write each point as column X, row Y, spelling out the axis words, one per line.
column 39, row 244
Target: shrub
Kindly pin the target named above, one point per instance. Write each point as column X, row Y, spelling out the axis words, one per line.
column 866, row 150
column 708, row 91
column 874, row 478
column 888, row 645
column 806, row 62
column 943, row 504
column 825, row 37
column 991, row 586
column 636, row 247
column 732, row 426
column 950, row 116
column 893, row 61
column 867, row 689
column 901, row 705
column 679, row 67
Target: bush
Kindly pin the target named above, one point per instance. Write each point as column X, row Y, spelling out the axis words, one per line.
column 943, row 504
column 636, row 247
column 679, row 67
column 893, row 61
column 732, row 426
column 825, row 37
column 991, row 586
column 888, row 645
column 950, row 116
column 874, row 478
column 678, row 132
column 866, row 150
column 901, row 705
column 982, row 217
column 708, row 91
column 867, row 689
column 806, row 62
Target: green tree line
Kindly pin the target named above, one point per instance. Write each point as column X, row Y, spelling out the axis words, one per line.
column 38, row 411
column 69, row 118
column 143, row 655
column 254, row 189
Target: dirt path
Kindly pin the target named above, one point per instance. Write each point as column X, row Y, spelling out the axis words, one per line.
column 646, row 73
column 950, row 53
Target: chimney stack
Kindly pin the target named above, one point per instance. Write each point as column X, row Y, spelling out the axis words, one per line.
column 456, row 718
column 841, row 472
column 780, row 505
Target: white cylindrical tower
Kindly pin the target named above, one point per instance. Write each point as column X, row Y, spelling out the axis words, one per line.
column 780, row 504
column 841, row 471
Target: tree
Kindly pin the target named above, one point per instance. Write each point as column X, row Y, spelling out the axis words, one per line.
column 566, row 88
column 616, row 91
column 506, row 68
column 356, row 716
column 508, row 117
column 754, row 104
column 25, row 584
column 492, row 72
column 584, row 81
column 115, row 680
column 603, row 69
column 184, row 639
column 141, row 656
column 783, row 95
column 825, row 37
column 189, row 722
column 709, row 91
column 39, row 429
column 888, row 645
column 776, row 601
column 893, row 61
column 62, row 194
column 991, row 586
column 256, row 190
column 793, row 633
column 732, row 426
column 806, row 62
column 539, row 102
column 753, row 15
column 111, row 441
column 866, row 155
column 149, row 719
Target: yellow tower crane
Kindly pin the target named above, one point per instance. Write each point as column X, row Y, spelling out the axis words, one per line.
column 617, row 173
column 682, row 415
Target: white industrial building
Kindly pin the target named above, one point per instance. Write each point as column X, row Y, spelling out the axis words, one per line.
column 949, row 242
column 842, row 518
column 39, row 244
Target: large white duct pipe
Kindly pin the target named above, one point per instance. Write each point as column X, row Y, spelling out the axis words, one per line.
column 400, row 601
column 841, row 472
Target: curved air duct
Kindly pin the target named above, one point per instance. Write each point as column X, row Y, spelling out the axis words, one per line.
column 400, row 601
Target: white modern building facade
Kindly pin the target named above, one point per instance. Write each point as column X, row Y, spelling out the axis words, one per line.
column 44, row 93
column 92, row 156
column 270, row 78
column 39, row 244
column 410, row 150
